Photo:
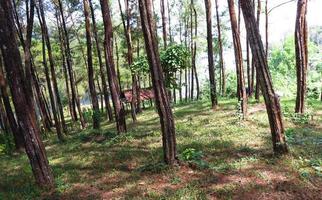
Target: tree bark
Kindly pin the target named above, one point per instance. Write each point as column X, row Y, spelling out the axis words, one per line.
column 21, row 99
column 221, row 57
column 52, row 65
column 100, row 61
column 112, row 78
column 127, row 32
column 161, row 98
column 211, row 68
column 164, row 24
column 271, row 99
column 257, row 89
column 241, row 91
column 301, row 52
column 69, row 63
column 14, row 127
column 90, row 70
column 48, row 80
column 194, row 48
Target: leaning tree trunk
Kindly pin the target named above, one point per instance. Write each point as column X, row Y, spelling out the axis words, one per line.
column 241, row 91
column 90, row 70
column 112, row 77
column 222, row 66
column 52, row 65
column 16, row 131
column 100, row 61
column 161, row 98
column 21, row 99
column 271, row 99
column 301, row 51
column 212, row 79
column 266, row 29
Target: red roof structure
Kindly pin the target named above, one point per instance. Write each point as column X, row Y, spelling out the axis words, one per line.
column 145, row 94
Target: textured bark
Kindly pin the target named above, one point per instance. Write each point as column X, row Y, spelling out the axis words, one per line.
column 90, row 70
column 21, row 99
column 212, row 79
column 271, row 99
column 111, row 74
column 16, row 132
column 102, row 71
column 221, row 57
column 161, row 98
column 52, row 65
column 48, row 81
column 301, row 52
column 241, row 91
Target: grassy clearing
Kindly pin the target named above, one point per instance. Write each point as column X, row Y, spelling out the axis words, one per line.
column 224, row 159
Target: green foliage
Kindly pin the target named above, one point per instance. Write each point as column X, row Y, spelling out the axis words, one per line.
column 140, row 66
column 194, row 157
column 297, row 118
column 174, row 59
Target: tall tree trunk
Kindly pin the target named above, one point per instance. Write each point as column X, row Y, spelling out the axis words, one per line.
column 21, row 99
column 52, row 65
column 69, row 62
column 271, row 99
column 90, row 70
column 164, row 24
column 112, row 78
column 48, row 80
column 212, row 79
column 14, row 127
column 301, row 51
column 127, row 31
column 161, row 98
column 72, row 111
column 241, row 90
column 117, row 63
column 193, row 58
column 257, row 78
column 266, row 29
column 221, row 57
column 100, row 61
column 195, row 49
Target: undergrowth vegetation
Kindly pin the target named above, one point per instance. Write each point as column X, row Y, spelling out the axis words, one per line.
column 220, row 157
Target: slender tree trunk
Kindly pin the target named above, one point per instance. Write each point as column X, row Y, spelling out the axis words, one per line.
column 127, row 31
column 221, row 57
column 257, row 89
column 266, row 29
column 100, row 61
column 248, row 69
column 213, row 92
column 301, row 51
column 117, row 63
column 72, row 111
column 161, row 98
column 112, row 78
column 69, row 62
column 195, row 49
column 52, row 65
column 48, row 80
column 271, row 99
column 193, row 58
column 164, row 23
column 21, row 99
column 241, row 90
column 90, row 70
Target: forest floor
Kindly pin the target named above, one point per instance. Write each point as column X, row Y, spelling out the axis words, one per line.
column 224, row 158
